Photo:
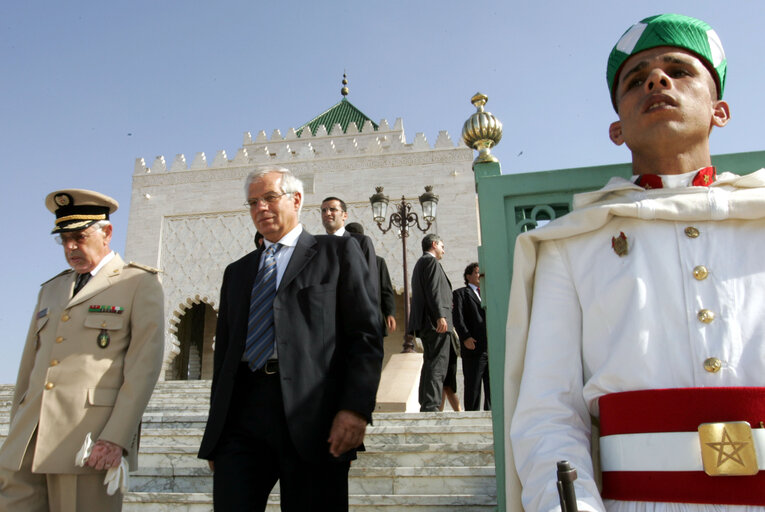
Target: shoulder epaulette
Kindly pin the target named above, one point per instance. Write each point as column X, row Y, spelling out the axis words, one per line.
column 144, row 267
column 57, row 275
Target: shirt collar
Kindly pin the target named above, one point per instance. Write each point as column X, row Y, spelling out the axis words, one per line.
column 339, row 232
column 675, row 180
column 288, row 240
column 106, row 259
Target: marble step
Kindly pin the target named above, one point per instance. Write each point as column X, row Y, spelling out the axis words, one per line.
column 407, row 428
column 361, row 480
column 173, row 420
column 193, row 418
column 168, row 436
column 406, row 419
column 388, row 455
column 202, row 502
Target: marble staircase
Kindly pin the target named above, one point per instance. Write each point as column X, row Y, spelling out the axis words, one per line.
column 415, row 462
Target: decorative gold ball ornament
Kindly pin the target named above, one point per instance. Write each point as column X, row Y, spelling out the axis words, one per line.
column 482, row 130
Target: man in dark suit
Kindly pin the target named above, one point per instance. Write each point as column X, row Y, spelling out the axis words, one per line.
column 334, row 213
column 470, row 324
column 431, row 320
column 298, row 357
column 386, row 296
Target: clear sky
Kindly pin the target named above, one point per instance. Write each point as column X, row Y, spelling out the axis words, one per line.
column 88, row 86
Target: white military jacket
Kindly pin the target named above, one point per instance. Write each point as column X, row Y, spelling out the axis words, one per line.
column 90, row 364
column 599, row 322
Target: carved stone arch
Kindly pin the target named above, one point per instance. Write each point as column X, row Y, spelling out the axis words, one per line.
column 191, row 340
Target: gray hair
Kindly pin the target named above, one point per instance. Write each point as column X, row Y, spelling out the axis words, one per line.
column 428, row 241
column 101, row 224
column 289, row 183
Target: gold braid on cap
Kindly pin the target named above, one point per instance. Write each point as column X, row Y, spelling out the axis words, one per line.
column 80, row 217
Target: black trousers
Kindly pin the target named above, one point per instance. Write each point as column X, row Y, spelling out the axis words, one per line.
column 435, row 363
column 475, row 370
column 256, row 450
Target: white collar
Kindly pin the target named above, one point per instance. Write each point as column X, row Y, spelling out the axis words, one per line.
column 106, row 259
column 339, row 232
column 288, row 240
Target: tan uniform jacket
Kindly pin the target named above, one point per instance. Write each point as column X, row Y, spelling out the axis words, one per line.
column 68, row 385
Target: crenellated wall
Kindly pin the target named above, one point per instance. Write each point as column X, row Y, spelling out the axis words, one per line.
column 292, row 147
column 189, row 220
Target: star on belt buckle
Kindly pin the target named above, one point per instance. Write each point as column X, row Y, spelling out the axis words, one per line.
column 727, row 449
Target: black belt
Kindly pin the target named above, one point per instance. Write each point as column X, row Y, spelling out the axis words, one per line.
column 270, row 368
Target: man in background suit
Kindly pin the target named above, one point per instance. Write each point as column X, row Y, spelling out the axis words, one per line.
column 386, row 297
column 297, row 361
column 470, row 324
column 334, row 213
column 91, row 359
column 431, row 320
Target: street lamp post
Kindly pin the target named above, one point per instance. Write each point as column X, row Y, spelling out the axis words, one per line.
column 403, row 218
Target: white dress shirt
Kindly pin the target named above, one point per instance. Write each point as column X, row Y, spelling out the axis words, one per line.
column 284, row 254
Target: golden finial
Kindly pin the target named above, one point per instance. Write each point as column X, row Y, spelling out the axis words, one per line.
column 344, row 90
column 482, row 130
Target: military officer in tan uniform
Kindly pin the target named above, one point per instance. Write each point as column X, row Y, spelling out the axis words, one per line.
column 91, row 359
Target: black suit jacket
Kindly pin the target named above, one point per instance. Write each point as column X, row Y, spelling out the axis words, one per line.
column 387, row 297
column 368, row 248
column 327, row 336
column 469, row 321
column 431, row 295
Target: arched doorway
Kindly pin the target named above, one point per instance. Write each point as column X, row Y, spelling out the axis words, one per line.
column 196, row 332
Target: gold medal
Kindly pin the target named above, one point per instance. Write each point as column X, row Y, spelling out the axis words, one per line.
column 103, row 338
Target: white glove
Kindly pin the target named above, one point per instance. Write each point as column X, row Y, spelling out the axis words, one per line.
column 115, row 477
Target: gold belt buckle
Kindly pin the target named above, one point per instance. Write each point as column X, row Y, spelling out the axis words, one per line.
column 727, row 449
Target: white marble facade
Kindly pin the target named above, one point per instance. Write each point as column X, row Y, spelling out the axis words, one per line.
column 189, row 220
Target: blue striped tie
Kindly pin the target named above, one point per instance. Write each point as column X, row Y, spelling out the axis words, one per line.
column 260, row 326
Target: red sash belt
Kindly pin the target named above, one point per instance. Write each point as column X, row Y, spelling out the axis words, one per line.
column 681, row 410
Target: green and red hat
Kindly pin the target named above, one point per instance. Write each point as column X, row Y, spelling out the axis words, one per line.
column 670, row 30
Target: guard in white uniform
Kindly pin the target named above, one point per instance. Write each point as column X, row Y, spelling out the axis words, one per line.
column 656, row 288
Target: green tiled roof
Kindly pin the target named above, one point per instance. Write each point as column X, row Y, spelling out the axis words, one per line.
column 344, row 113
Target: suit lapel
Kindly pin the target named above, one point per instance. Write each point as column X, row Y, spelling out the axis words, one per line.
column 251, row 269
column 473, row 296
column 62, row 291
column 99, row 282
column 302, row 254
column 248, row 280
column 444, row 273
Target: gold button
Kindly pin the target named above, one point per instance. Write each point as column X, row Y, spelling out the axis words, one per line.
column 54, row 362
column 712, row 365
column 700, row 272
column 59, row 339
column 64, row 317
column 706, row 316
column 49, row 385
column 691, row 232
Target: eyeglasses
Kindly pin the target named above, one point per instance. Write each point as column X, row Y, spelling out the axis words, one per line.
column 269, row 198
column 79, row 237
column 330, row 210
